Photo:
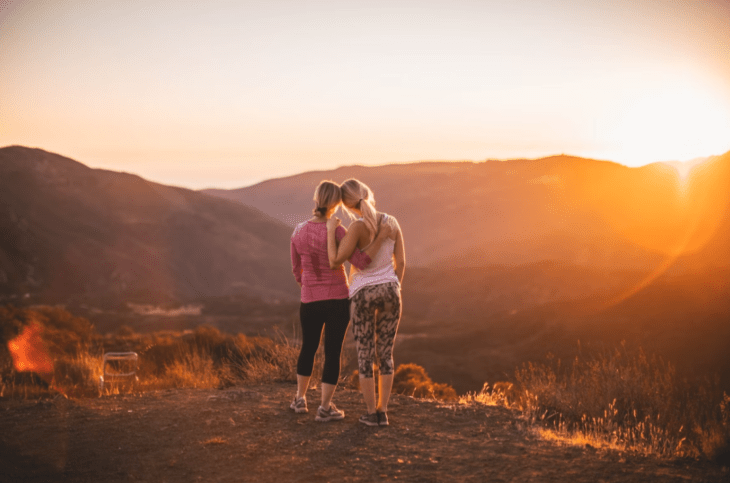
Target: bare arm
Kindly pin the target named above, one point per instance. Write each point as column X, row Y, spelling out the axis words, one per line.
column 338, row 253
column 345, row 249
column 399, row 255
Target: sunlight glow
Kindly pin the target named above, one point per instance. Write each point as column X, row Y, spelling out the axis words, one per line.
column 698, row 217
column 686, row 171
column 226, row 94
column 670, row 123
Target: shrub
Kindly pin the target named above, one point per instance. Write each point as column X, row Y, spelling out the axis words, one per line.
column 202, row 358
column 412, row 379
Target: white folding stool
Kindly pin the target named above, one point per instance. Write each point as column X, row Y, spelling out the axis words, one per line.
column 111, row 376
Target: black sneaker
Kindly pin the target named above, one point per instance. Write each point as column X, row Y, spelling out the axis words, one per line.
column 369, row 419
column 382, row 418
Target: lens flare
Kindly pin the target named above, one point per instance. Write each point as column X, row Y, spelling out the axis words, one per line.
column 701, row 214
column 29, row 353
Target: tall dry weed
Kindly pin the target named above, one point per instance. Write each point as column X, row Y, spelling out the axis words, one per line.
column 193, row 370
column 203, row 358
column 626, row 399
column 77, row 374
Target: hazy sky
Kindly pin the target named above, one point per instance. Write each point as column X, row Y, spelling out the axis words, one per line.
column 227, row 93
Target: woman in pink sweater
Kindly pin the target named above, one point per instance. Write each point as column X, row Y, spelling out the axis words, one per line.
column 325, row 304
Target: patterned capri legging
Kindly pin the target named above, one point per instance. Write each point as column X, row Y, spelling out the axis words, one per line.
column 375, row 314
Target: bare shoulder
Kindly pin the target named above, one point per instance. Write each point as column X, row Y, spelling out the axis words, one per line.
column 391, row 221
column 357, row 226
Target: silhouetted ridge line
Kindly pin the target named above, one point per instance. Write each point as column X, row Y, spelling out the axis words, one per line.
column 81, row 233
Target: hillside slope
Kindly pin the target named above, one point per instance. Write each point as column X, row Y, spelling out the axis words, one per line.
column 249, row 434
column 468, row 326
column 564, row 209
column 71, row 232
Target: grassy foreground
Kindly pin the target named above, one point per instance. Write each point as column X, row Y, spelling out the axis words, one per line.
column 624, row 399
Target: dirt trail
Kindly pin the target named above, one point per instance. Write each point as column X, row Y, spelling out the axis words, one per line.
column 249, row 434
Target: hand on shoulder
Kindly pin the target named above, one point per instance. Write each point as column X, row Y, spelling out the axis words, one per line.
column 333, row 223
column 387, row 231
column 393, row 226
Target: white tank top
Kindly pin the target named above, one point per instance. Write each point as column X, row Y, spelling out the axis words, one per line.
column 381, row 269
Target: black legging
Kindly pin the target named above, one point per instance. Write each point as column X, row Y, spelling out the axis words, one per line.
column 334, row 315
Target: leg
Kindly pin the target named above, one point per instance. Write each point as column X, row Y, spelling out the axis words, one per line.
column 387, row 327
column 302, row 385
column 335, row 329
column 328, row 390
column 385, row 385
column 363, row 328
column 312, row 325
column 367, row 387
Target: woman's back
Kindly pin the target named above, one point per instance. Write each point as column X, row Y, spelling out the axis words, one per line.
column 381, row 268
column 309, row 258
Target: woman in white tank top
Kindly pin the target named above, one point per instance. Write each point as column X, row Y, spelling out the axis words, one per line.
column 381, row 269
column 375, row 301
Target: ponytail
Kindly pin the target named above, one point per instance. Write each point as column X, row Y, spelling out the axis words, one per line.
column 357, row 195
column 326, row 196
column 369, row 217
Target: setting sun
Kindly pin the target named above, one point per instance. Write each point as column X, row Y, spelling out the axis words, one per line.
column 228, row 94
column 666, row 123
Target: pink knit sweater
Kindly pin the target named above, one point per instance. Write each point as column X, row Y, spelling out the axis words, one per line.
column 311, row 266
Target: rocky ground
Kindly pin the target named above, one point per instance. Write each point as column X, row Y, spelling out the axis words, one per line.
column 249, row 434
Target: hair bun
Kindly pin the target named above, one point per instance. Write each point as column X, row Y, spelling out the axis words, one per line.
column 322, row 210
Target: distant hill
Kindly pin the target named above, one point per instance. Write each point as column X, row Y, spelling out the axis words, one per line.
column 467, row 326
column 510, row 260
column 506, row 260
column 69, row 232
column 562, row 209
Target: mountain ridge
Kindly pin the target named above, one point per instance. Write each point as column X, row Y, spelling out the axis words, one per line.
column 565, row 208
column 76, row 231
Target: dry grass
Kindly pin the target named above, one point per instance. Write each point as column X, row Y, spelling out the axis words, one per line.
column 490, row 396
column 78, row 374
column 623, row 399
column 204, row 358
column 626, row 400
column 194, row 369
column 273, row 361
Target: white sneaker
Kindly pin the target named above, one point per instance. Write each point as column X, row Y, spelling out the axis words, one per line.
column 331, row 414
column 299, row 405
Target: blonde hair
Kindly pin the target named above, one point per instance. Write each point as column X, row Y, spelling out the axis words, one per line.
column 326, row 197
column 357, row 195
